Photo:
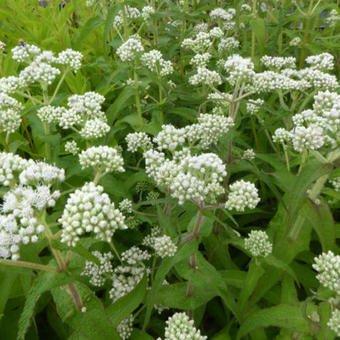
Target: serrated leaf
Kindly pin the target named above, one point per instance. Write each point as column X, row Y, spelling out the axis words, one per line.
column 283, row 316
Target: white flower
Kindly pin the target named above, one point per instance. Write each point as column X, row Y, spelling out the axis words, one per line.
column 154, row 61
column 164, row 247
column 216, row 33
column 94, row 128
column 323, row 61
column 10, row 113
column 90, row 210
column 328, row 267
column 295, row 42
column 248, row 154
column 147, row 12
column 200, row 44
column 200, row 60
column 10, row 166
column 228, row 44
column 253, row 106
column 103, row 159
column 281, row 136
column 125, row 328
column 240, row 69
column 278, row 63
column 138, row 140
column 25, row 53
column 72, row 147
column 2, row 45
column 334, row 322
column 180, row 327
column 310, row 138
column 205, row 77
column 333, row 18
column 40, row 72
column 70, row 58
column 126, row 205
column 11, row 84
column 242, row 195
column 220, row 13
column 50, row 114
column 170, row 137
column 98, row 273
column 130, row 50
column 41, row 172
column 258, row 243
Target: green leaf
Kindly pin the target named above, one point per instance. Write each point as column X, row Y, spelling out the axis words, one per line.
column 184, row 252
column 174, row 296
column 90, row 25
column 122, row 308
column 46, row 281
column 321, row 219
column 271, row 260
column 91, row 324
column 254, row 273
column 282, row 316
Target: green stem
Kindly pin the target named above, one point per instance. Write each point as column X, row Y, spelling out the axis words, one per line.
column 47, row 144
column 58, row 86
column 114, row 250
column 253, row 34
column 139, row 109
column 161, row 115
column 126, row 29
column 26, row 264
column 286, row 157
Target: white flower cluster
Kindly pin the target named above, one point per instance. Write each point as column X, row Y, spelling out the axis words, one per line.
column 10, row 166
column 129, row 50
column 147, row 12
column 295, row 42
column 87, row 210
column 248, row 154
column 138, row 140
column 30, row 193
column 2, row 45
column 242, row 195
column 70, row 58
column 199, row 44
column 180, row 327
column 39, row 72
column 164, row 246
column 50, row 114
column 126, row 205
column 258, row 243
column 314, row 128
column 130, row 13
column 208, row 130
column 333, row 18
column 323, row 61
column 254, row 105
column 278, row 63
column 98, row 273
column 334, row 321
column 228, row 44
column 11, row 84
column 154, row 61
column 25, row 53
column 328, row 267
column 85, row 112
column 10, row 113
column 169, row 138
column 205, row 77
column 239, row 69
column 216, row 33
column 103, row 159
column 336, row 183
column 125, row 328
column 200, row 60
column 222, row 14
column 127, row 276
column 149, row 239
column 72, row 147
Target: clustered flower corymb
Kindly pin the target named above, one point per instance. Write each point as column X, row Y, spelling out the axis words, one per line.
column 126, row 276
column 314, row 128
column 258, row 244
column 90, row 210
column 180, row 327
column 31, row 192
